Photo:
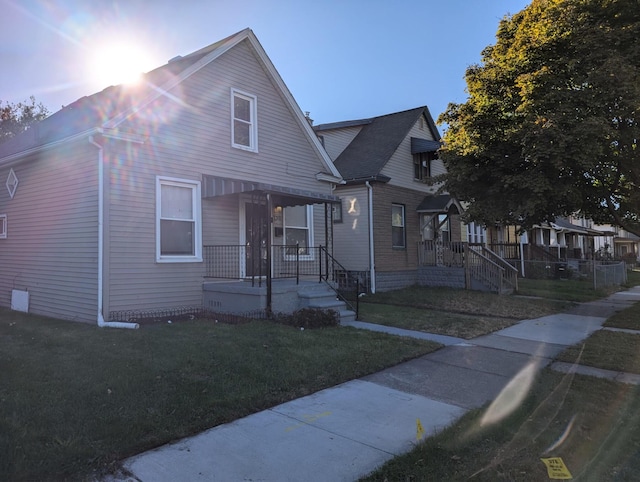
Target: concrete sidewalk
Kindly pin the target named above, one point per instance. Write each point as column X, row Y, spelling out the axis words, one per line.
column 345, row 432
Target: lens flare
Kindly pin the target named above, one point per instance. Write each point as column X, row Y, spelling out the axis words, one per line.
column 511, row 395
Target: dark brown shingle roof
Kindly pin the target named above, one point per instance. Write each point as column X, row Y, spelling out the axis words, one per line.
column 368, row 153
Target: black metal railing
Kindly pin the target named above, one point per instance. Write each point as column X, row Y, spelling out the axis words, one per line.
column 243, row 262
column 344, row 282
column 287, row 262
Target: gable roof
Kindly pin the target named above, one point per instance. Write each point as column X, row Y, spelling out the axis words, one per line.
column 370, row 150
column 106, row 110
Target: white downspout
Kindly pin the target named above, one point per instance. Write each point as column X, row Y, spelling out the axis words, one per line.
column 101, row 322
column 372, row 258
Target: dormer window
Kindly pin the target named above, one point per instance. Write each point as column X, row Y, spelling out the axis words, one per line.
column 244, row 124
column 422, row 165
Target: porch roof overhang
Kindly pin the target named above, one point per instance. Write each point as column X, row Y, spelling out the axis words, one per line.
column 438, row 204
column 214, row 186
column 597, row 232
column 418, row 146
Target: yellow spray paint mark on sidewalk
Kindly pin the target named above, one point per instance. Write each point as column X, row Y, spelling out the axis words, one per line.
column 557, row 469
column 308, row 419
column 419, row 429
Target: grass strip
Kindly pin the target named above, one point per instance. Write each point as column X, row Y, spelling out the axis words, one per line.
column 432, row 321
column 469, row 302
column 592, row 424
column 610, row 350
column 628, row 318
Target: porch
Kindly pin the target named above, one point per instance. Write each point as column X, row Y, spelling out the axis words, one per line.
column 277, row 279
column 477, row 267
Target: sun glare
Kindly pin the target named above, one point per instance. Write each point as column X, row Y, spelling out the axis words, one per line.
column 117, row 63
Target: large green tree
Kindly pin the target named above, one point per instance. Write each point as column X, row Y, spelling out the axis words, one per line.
column 18, row 117
column 550, row 126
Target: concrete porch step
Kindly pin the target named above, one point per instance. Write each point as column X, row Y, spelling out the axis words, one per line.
column 347, row 316
column 324, row 298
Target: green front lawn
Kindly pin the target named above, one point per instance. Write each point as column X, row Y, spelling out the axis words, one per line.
column 75, row 398
column 431, row 321
column 628, row 319
column 447, row 311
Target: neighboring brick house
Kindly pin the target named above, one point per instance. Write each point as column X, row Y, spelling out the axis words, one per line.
column 389, row 208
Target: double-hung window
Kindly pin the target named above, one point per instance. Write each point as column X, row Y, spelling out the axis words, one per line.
column 298, row 229
column 422, row 165
column 244, row 122
column 476, row 234
column 178, row 220
column 398, row 226
column 3, row 226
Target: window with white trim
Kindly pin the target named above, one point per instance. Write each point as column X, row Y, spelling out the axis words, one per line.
column 178, row 220
column 298, row 229
column 244, row 124
column 398, row 237
column 336, row 212
column 476, row 233
column 3, row 226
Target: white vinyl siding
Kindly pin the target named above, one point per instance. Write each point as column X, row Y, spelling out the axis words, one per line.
column 351, row 237
column 178, row 221
column 400, row 167
column 197, row 142
column 244, row 121
column 336, row 140
column 12, row 183
column 52, row 248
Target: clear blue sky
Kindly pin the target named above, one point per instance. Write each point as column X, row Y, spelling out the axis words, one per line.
column 341, row 59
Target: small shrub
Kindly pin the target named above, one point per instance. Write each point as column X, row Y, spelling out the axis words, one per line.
column 309, row 318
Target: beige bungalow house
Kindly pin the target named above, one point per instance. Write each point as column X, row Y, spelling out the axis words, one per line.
column 202, row 187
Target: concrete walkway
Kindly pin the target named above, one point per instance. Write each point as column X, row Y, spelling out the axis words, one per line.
column 345, row 432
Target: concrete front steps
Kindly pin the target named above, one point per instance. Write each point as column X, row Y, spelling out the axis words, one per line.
column 322, row 297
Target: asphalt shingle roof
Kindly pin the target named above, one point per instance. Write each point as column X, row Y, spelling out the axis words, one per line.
column 93, row 111
column 368, row 153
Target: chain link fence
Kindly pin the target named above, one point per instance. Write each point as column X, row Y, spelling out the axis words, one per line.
column 600, row 273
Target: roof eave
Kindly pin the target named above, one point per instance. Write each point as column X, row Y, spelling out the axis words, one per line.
column 17, row 157
column 362, row 180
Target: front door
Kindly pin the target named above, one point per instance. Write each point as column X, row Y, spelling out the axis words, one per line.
column 256, row 232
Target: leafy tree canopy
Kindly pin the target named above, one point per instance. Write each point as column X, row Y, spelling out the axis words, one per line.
column 16, row 118
column 550, row 126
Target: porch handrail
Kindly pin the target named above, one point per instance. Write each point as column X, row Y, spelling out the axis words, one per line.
column 485, row 270
column 543, row 253
column 232, row 261
column 329, row 277
column 504, row 250
column 511, row 272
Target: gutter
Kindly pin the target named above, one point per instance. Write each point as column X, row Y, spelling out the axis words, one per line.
column 18, row 156
column 101, row 322
column 372, row 258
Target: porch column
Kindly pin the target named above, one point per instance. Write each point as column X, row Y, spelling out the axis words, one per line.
column 268, row 237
